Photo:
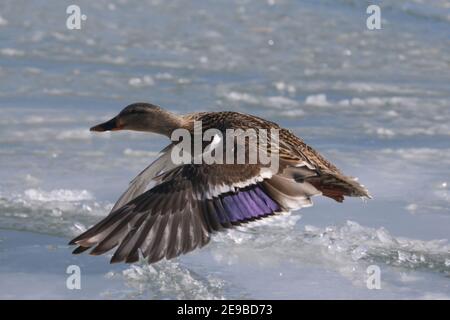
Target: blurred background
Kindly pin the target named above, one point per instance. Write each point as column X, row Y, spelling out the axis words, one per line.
column 376, row 103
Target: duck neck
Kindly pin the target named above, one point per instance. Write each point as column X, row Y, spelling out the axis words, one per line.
column 167, row 122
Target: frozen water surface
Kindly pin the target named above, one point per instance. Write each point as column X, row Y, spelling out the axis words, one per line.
column 377, row 103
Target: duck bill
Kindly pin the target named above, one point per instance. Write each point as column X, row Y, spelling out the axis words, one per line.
column 111, row 125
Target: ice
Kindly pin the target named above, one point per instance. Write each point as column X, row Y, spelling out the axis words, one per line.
column 58, row 195
column 56, row 212
column 140, row 153
column 275, row 102
column 375, row 103
column 75, row 134
column 244, row 97
column 319, row 100
column 11, row 52
column 139, row 82
column 3, row 21
column 171, row 279
column 283, row 87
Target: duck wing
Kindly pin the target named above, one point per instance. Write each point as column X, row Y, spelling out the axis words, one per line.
column 188, row 204
column 142, row 181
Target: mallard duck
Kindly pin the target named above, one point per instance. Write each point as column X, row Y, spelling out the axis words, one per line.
column 171, row 209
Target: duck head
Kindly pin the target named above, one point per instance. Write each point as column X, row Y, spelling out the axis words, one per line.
column 142, row 117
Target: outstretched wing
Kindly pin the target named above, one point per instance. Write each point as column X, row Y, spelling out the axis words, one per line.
column 189, row 203
column 142, row 182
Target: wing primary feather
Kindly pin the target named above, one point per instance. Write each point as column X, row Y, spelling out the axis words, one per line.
column 133, row 256
column 113, row 238
column 127, row 243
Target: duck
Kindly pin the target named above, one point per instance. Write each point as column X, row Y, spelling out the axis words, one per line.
column 173, row 208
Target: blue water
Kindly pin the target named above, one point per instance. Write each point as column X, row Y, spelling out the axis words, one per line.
column 375, row 103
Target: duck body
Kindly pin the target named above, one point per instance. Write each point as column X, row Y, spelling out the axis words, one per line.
column 170, row 209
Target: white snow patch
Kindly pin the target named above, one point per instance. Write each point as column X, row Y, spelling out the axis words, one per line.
column 11, row 52
column 141, row 82
column 318, row 100
column 58, row 195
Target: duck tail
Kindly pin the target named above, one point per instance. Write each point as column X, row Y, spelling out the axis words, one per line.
column 336, row 186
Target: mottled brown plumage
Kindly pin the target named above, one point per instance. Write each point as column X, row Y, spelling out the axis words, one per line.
column 170, row 209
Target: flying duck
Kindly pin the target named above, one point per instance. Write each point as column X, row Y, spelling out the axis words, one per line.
column 170, row 208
